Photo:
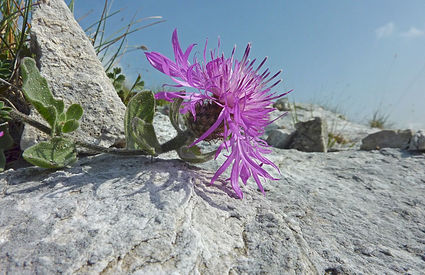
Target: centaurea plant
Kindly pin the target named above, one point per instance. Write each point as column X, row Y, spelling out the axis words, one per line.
column 231, row 103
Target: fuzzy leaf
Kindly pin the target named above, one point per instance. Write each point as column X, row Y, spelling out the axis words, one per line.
column 142, row 106
column 62, row 118
column 145, row 137
column 49, row 114
column 194, row 155
column 75, row 111
column 70, row 125
column 175, row 113
column 55, row 153
column 138, row 85
column 35, row 86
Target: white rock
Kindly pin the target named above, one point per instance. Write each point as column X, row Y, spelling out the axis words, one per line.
column 310, row 136
column 417, row 143
column 387, row 139
column 348, row 212
column 352, row 133
column 69, row 63
column 279, row 138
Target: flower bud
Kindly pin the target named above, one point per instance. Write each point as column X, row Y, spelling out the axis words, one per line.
column 206, row 116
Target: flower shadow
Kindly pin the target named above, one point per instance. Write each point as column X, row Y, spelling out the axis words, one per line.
column 128, row 176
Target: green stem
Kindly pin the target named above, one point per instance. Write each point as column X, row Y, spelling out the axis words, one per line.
column 43, row 128
column 114, row 151
column 16, row 115
column 182, row 138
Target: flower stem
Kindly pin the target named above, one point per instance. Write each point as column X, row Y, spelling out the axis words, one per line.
column 182, row 138
column 115, row 151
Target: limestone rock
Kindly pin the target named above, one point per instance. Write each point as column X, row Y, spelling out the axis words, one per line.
column 352, row 212
column 387, row 139
column 338, row 125
column 282, row 104
column 417, row 142
column 279, row 138
column 69, row 63
column 310, row 136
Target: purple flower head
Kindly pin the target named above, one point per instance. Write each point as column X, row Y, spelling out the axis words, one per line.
column 240, row 98
column 1, row 133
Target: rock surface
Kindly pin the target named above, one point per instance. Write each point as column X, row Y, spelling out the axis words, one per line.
column 350, row 132
column 349, row 212
column 69, row 63
column 387, row 139
column 279, row 138
column 310, row 136
column 282, row 104
column 417, row 142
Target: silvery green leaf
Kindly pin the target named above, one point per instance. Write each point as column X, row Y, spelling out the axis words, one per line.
column 175, row 114
column 55, row 153
column 141, row 106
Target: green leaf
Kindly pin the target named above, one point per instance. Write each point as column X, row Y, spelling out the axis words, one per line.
column 120, row 78
column 55, row 153
column 6, row 142
column 70, row 125
column 38, row 93
column 142, row 106
column 5, row 68
column 138, row 85
column 35, row 86
column 71, row 6
column 117, row 70
column 62, row 118
column 49, row 113
column 145, row 137
column 194, row 155
column 119, row 82
column 175, row 113
column 4, row 111
column 75, row 111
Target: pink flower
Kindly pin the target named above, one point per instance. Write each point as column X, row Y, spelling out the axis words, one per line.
column 241, row 97
column 1, row 133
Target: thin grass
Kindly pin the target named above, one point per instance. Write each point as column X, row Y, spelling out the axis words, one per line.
column 380, row 120
column 14, row 30
column 117, row 41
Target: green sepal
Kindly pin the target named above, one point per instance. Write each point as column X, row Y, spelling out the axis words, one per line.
column 70, row 125
column 75, row 111
column 193, row 154
column 55, row 153
column 6, row 143
column 174, row 113
column 145, row 137
column 141, row 106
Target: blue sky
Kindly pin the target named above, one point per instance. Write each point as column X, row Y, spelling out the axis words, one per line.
column 356, row 55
